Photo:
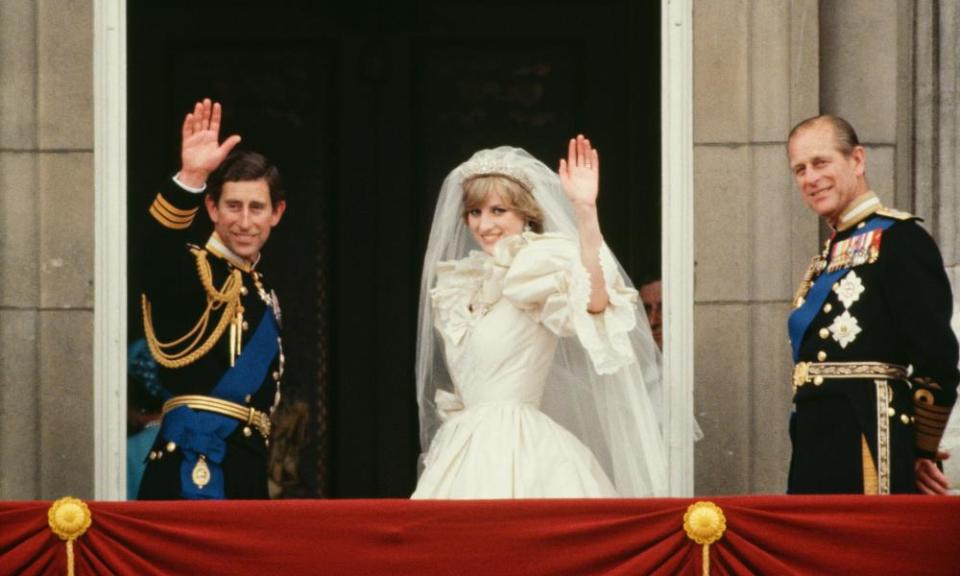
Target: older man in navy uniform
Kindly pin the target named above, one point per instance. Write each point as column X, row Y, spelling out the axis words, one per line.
column 211, row 322
column 876, row 360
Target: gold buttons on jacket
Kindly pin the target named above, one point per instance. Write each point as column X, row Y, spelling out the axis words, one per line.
column 905, row 419
column 171, row 446
column 247, row 431
column 824, row 333
column 244, row 291
column 821, row 356
column 818, row 380
column 827, row 308
column 245, row 325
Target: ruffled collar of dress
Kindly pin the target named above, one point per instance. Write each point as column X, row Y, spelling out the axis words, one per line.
column 486, row 271
column 467, row 288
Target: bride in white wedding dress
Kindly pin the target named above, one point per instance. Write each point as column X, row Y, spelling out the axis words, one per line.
column 544, row 379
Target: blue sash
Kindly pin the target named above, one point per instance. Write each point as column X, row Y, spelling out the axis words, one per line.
column 199, row 432
column 801, row 318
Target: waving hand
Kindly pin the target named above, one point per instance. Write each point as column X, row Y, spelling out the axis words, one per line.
column 200, row 149
column 580, row 172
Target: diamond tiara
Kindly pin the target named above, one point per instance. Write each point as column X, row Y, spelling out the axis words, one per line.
column 474, row 169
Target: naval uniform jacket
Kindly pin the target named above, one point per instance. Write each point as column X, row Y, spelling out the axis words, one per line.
column 893, row 305
column 178, row 300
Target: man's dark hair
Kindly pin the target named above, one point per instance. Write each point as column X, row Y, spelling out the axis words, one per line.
column 845, row 136
column 246, row 166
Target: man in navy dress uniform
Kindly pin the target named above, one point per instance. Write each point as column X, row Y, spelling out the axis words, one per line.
column 875, row 358
column 210, row 319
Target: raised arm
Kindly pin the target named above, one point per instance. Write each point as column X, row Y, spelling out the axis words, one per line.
column 580, row 178
column 172, row 214
column 200, row 149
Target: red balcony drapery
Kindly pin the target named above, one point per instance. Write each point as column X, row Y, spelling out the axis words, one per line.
column 764, row 535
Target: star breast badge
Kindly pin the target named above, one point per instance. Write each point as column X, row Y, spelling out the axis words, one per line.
column 849, row 289
column 845, row 329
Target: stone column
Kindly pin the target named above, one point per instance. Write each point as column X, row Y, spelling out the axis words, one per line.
column 46, row 249
column 866, row 76
column 756, row 73
column 19, row 269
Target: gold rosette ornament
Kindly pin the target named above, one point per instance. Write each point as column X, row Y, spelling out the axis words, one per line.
column 705, row 524
column 69, row 518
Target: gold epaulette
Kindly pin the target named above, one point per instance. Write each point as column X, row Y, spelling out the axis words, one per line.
column 180, row 352
column 896, row 214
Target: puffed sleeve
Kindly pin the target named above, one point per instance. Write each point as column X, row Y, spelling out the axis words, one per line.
column 548, row 280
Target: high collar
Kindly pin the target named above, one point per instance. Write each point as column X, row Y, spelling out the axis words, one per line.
column 216, row 247
column 858, row 211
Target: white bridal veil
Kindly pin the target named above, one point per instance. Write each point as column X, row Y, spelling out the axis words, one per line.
column 616, row 415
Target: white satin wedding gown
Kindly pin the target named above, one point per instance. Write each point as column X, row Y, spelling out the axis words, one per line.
column 500, row 317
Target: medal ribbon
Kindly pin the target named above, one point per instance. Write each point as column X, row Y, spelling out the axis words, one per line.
column 802, row 317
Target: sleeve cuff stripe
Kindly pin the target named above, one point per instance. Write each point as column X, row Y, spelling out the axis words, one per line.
column 925, row 410
column 931, row 421
column 932, row 408
column 166, row 222
column 924, row 427
column 173, row 219
column 173, row 210
column 171, row 216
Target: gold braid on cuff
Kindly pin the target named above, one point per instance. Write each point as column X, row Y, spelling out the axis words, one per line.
column 931, row 419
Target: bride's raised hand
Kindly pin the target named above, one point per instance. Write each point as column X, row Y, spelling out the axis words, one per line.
column 580, row 172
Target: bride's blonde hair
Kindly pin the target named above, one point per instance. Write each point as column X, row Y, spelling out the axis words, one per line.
column 513, row 193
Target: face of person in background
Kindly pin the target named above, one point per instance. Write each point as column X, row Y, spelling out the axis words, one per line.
column 653, row 305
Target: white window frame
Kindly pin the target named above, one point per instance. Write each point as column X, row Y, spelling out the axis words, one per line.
column 676, row 152
column 110, row 273
column 110, row 249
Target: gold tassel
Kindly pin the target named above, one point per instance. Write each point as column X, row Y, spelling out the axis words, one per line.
column 69, row 518
column 233, row 342
column 806, row 283
column 239, row 330
column 705, row 524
